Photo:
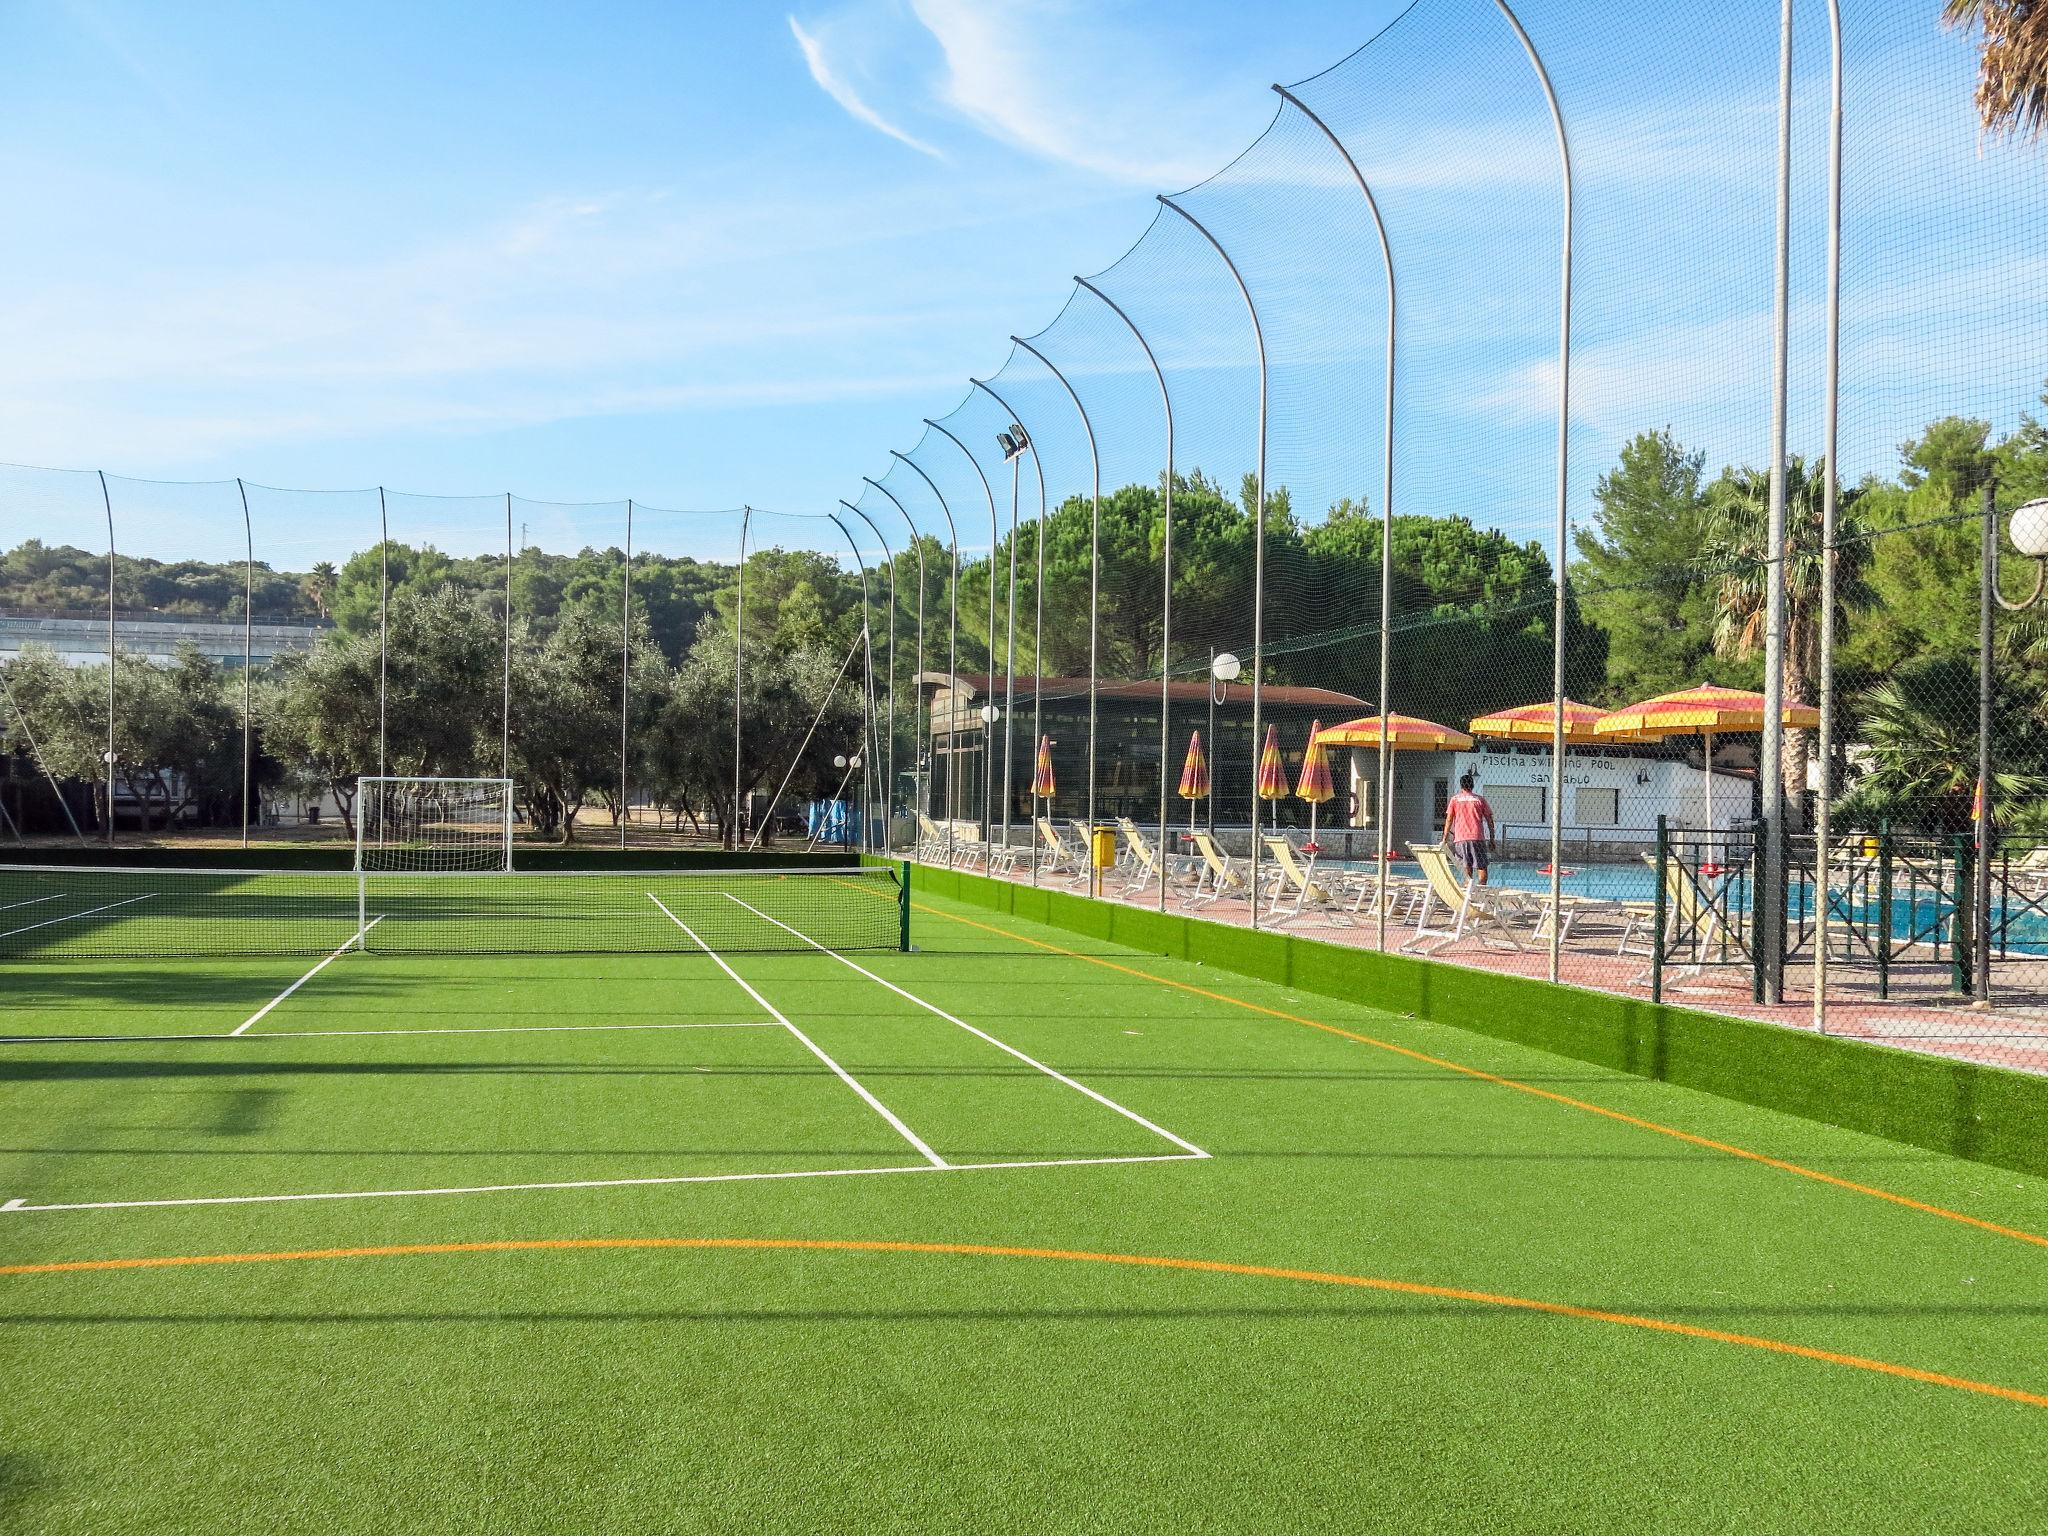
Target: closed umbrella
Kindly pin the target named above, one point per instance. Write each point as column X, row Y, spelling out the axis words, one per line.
column 1041, row 772
column 1705, row 711
column 1272, row 783
column 1194, row 778
column 1314, row 784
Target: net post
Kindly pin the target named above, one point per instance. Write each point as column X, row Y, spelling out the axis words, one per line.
column 362, row 908
column 1658, row 912
column 903, row 907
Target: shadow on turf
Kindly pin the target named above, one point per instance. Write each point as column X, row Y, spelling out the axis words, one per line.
column 1463, row 1312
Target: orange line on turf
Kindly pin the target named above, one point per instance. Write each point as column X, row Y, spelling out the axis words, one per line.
column 1520, row 1087
column 1134, row 1260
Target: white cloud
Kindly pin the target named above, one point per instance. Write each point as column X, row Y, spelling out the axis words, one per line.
column 830, row 82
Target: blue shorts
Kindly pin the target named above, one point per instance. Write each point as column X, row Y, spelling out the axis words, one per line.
column 1472, row 855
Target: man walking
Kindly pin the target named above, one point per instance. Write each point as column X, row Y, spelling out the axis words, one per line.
column 1469, row 829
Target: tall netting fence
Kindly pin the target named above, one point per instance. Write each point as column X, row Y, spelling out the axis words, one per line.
column 1660, row 505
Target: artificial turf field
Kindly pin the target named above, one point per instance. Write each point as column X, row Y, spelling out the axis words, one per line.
column 801, row 1322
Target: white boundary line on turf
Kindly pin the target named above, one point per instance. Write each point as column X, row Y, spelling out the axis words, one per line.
column 20, row 1204
column 332, row 1034
column 1060, row 1077
column 809, row 1044
column 73, row 917
column 31, row 901
column 353, row 939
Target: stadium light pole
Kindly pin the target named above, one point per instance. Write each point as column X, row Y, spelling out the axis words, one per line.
column 1021, row 443
column 1829, row 518
column 1258, row 533
column 1165, row 577
column 1094, row 568
column 248, row 635
column 887, row 786
column 1379, row 225
column 917, row 545
column 1564, row 411
column 952, row 647
column 988, row 767
column 107, row 501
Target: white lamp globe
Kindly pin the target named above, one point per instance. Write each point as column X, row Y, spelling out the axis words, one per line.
column 1226, row 667
column 2029, row 528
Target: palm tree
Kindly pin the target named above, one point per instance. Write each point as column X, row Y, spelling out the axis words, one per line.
column 1919, row 728
column 1738, row 541
column 319, row 586
column 2012, row 61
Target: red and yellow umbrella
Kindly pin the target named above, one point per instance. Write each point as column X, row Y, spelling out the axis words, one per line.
column 1041, row 771
column 1194, row 777
column 1314, row 784
column 1405, row 733
column 1272, row 772
column 1537, row 722
column 1706, row 711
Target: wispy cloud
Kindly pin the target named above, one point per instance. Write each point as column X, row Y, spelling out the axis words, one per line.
column 832, row 84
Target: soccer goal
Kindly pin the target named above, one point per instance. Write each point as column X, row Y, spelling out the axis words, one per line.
column 433, row 826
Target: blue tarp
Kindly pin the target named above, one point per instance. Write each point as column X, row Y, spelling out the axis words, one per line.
column 834, row 822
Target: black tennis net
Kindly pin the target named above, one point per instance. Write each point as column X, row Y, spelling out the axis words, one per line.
column 78, row 912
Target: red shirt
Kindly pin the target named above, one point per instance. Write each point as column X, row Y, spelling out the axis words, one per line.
column 1467, row 817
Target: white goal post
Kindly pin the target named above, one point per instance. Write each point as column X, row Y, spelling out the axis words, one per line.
column 433, row 826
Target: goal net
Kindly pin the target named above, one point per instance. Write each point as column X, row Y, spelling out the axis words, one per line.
column 433, row 826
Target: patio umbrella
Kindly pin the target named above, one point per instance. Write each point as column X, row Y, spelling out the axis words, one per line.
column 1536, row 722
column 1706, row 712
column 1405, row 733
column 1314, row 784
column 1272, row 772
column 1041, row 772
column 1194, row 778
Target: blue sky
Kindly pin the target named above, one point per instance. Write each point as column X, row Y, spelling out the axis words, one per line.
column 705, row 255
column 581, row 251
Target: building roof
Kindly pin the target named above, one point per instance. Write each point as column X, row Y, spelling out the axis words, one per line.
column 980, row 685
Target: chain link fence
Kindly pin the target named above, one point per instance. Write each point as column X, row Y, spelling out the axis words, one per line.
column 1624, row 413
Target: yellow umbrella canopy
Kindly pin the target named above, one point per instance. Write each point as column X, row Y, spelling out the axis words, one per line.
column 1538, row 722
column 1272, row 781
column 1314, row 784
column 1042, row 783
column 1706, row 711
column 1405, row 733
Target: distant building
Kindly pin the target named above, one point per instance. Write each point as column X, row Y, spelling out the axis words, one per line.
column 81, row 641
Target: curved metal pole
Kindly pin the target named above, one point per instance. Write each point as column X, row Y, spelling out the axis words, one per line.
column 1165, row 579
column 383, row 627
column 1830, row 499
column 867, row 649
column 107, row 501
column 739, row 633
column 916, row 544
column 36, row 751
column 625, row 669
column 1771, row 760
column 988, row 756
column 1038, row 645
column 505, row 698
column 1259, row 533
column 1094, row 573
column 952, row 649
column 248, row 631
column 1010, row 649
column 1564, row 410
column 1379, row 225
column 889, row 760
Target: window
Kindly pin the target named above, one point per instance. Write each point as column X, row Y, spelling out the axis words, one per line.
column 1518, row 805
column 1597, row 807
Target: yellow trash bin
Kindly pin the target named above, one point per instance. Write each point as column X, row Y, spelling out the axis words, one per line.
column 1102, row 848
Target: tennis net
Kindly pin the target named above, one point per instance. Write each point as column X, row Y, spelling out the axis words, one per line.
column 93, row 912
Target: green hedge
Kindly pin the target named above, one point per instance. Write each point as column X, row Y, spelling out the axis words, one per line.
column 1987, row 1114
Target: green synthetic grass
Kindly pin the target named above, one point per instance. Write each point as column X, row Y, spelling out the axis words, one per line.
column 580, row 1389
